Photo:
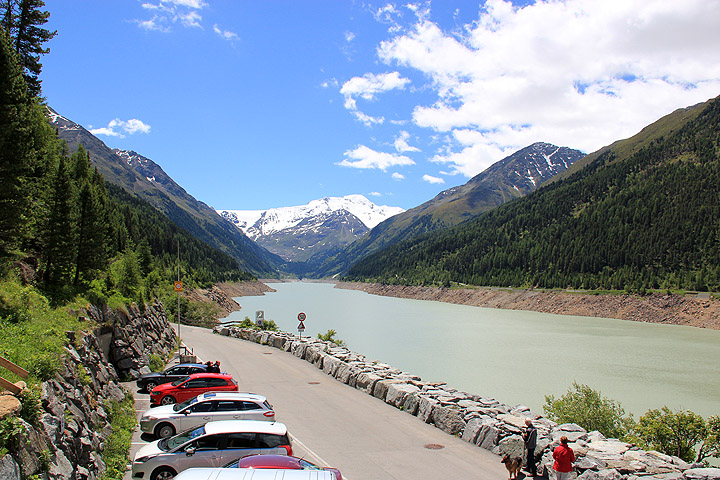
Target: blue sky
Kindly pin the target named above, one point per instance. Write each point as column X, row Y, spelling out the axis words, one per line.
column 253, row 104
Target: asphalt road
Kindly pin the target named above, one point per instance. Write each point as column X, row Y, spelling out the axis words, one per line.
column 334, row 424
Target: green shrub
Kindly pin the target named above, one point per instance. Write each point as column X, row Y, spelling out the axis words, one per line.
column 157, row 364
column 329, row 336
column 589, row 409
column 31, row 406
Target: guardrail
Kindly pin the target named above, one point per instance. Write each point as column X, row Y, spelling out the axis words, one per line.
column 15, row 369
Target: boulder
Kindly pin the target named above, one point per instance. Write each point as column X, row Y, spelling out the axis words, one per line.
column 398, row 392
column 607, row 474
column 512, row 445
column 366, row 382
column 487, row 436
column 425, row 408
column 448, row 419
column 9, row 405
column 9, row 469
column 702, row 474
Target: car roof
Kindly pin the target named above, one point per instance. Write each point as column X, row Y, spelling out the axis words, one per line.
column 275, row 461
column 209, row 375
column 188, row 365
column 245, row 474
column 238, row 426
column 230, row 396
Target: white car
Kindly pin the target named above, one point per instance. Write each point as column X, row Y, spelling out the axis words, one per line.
column 166, row 420
column 213, row 445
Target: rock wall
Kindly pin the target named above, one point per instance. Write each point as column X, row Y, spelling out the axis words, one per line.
column 67, row 441
column 482, row 421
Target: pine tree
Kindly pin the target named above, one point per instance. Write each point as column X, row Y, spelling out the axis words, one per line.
column 23, row 21
column 59, row 250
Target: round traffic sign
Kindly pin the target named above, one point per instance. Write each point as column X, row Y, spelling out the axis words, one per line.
column 301, row 317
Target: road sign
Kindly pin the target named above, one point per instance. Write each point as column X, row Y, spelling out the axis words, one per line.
column 301, row 327
column 178, row 287
column 301, row 317
column 259, row 317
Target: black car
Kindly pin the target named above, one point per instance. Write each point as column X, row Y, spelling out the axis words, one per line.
column 151, row 380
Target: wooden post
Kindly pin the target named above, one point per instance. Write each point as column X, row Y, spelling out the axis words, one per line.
column 15, row 369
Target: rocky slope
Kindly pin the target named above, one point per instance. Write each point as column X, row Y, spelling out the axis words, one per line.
column 656, row 308
column 67, row 440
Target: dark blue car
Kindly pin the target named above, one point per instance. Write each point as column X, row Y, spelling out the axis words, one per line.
column 151, row 380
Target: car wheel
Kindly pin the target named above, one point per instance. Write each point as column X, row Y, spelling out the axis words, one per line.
column 149, row 386
column 164, row 430
column 167, row 400
column 163, row 473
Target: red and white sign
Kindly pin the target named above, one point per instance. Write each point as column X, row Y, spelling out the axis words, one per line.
column 301, row 327
column 301, row 317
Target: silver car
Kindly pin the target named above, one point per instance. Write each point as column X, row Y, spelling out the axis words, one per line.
column 164, row 421
column 213, row 445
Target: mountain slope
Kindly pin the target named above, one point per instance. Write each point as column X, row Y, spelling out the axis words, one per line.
column 310, row 231
column 510, row 178
column 141, row 176
column 644, row 213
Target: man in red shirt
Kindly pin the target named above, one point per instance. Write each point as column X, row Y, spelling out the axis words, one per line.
column 564, row 458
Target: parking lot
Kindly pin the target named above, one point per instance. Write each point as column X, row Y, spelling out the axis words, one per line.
column 334, row 424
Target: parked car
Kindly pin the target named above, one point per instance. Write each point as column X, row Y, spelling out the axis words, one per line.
column 192, row 386
column 149, row 381
column 246, row 474
column 165, row 420
column 280, row 462
column 213, row 445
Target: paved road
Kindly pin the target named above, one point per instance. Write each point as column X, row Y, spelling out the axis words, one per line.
column 333, row 424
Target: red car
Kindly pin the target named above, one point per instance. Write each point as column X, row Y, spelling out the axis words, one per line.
column 282, row 462
column 192, row 386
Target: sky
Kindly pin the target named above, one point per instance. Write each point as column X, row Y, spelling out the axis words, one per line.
column 253, row 104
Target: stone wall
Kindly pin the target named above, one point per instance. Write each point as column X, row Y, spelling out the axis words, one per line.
column 72, row 430
column 482, row 421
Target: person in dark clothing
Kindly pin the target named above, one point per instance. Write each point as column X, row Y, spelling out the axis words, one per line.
column 530, row 438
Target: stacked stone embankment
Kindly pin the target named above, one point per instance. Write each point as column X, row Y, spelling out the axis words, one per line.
column 73, row 427
column 482, row 421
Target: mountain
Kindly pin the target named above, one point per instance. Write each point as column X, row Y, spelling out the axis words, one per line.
column 643, row 213
column 314, row 230
column 510, row 178
column 146, row 179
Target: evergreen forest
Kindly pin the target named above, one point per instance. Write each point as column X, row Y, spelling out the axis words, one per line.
column 632, row 222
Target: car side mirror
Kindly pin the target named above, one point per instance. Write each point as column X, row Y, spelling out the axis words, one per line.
column 190, row 451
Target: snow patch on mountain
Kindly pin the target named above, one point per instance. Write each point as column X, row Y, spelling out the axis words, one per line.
column 257, row 223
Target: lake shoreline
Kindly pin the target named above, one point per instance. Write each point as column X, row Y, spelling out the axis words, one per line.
column 654, row 308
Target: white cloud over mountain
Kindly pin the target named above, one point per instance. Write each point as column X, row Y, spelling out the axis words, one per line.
column 120, row 128
column 581, row 73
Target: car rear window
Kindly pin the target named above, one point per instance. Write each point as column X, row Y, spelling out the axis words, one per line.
column 269, row 440
column 250, row 406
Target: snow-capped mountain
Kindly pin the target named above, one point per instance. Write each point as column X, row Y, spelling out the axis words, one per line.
column 320, row 227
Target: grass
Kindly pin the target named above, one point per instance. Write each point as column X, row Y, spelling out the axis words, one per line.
column 123, row 422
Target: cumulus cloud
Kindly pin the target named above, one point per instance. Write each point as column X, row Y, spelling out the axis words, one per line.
column 121, row 128
column 431, row 179
column 367, row 88
column 579, row 73
column 366, row 158
column 398, row 176
column 401, row 144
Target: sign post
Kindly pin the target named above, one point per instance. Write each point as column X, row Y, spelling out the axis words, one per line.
column 301, row 327
column 259, row 317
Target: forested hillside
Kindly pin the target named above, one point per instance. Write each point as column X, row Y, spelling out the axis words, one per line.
column 636, row 217
column 66, row 231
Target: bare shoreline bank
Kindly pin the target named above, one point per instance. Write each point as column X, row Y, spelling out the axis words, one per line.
column 653, row 308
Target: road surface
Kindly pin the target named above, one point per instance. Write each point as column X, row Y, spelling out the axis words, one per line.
column 336, row 425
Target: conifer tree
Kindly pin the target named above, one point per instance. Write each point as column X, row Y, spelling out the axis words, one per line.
column 23, row 21
column 59, row 249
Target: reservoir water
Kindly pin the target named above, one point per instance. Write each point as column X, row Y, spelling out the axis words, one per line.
column 516, row 357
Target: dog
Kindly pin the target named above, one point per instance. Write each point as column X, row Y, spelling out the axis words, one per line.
column 513, row 465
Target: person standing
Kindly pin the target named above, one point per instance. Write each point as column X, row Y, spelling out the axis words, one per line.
column 564, row 458
column 530, row 438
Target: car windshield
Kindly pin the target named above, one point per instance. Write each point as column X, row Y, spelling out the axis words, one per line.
column 181, row 438
column 178, row 382
column 179, row 406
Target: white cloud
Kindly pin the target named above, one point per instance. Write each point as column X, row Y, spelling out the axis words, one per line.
column 375, row 194
column 225, row 34
column 120, row 128
column 433, row 180
column 398, row 176
column 367, row 88
column 579, row 73
column 366, row 158
column 401, row 144
column 167, row 13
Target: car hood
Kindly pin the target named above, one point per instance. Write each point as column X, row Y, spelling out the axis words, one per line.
column 162, row 410
column 163, row 387
column 151, row 375
column 149, row 449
